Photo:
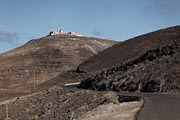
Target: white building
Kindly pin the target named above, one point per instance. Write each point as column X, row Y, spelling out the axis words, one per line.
column 74, row 33
column 56, row 33
column 62, row 32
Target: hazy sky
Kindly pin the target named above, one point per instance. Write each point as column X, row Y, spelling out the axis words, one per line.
column 22, row 20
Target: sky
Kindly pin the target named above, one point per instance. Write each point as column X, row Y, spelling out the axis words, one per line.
column 23, row 20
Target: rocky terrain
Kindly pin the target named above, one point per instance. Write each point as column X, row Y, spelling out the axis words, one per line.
column 147, row 63
column 57, row 103
column 40, row 60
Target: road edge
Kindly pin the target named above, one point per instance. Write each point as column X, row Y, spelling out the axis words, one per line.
column 137, row 114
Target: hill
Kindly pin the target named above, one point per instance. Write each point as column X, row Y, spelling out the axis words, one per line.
column 147, row 63
column 43, row 59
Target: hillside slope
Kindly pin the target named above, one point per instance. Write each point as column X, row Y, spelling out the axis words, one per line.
column 42, row 59
column 147, row 63
column 54, row 103
column 131, row 49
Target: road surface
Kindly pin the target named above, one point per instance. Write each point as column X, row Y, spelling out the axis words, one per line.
column 160, row 107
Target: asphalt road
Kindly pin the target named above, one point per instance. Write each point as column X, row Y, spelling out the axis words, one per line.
column 157, row 106
column 160, row 107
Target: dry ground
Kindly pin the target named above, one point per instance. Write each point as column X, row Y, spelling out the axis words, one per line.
column 122, row 111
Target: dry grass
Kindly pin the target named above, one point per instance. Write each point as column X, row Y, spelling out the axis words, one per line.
column 111, row 97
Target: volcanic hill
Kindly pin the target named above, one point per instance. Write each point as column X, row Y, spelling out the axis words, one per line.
column 41, row 59
column 147, row 63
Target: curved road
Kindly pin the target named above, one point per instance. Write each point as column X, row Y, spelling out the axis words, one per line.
column 157, row 106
